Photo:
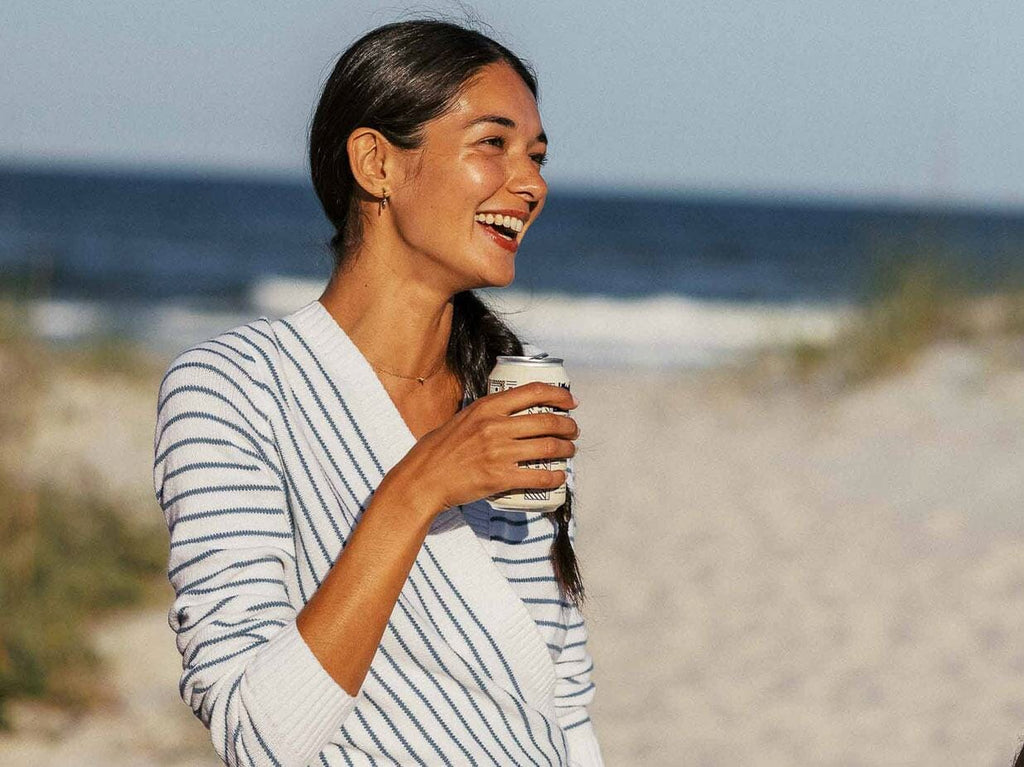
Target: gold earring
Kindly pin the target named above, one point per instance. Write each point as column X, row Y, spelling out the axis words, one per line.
column 383, row 203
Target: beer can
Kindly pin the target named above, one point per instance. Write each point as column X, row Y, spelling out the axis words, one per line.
column 512, row 371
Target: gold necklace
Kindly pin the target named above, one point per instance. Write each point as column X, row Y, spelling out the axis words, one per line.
column 421, row 379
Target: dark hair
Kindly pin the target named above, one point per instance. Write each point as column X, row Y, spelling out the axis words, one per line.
column 395, row 79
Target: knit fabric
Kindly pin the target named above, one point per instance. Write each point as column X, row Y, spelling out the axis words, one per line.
column 270, row 441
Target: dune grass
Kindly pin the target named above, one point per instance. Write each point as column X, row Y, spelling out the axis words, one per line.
column 909, row 304
column 66, row 558
column 66, row 561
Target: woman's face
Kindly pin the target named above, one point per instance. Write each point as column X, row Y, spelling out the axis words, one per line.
column 479, row 161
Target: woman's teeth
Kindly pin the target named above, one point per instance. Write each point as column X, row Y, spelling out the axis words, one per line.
column 509, row 222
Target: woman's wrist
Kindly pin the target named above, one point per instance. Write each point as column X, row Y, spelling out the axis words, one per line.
column 399, row 491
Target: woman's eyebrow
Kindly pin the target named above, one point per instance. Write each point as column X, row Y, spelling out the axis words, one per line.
column 505, row 122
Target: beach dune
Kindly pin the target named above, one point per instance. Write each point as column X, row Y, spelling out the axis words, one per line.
column 778, row 573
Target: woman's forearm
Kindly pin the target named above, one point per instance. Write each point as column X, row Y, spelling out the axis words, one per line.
column 344, row 620
column 475, row 454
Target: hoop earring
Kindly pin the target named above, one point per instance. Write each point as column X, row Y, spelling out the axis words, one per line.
column 385, row 200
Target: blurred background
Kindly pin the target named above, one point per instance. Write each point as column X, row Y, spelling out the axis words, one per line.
column 783, row 257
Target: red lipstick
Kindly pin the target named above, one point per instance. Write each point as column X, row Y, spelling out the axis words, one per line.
column 510, row 245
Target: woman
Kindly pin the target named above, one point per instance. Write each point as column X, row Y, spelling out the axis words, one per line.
column 343, row 594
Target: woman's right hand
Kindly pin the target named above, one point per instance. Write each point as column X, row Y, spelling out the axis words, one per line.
column 477, row 453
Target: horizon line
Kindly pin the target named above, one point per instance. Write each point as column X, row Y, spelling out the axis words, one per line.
column 576, row 187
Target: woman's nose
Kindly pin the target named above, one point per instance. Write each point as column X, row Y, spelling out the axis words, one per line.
column 526, row 180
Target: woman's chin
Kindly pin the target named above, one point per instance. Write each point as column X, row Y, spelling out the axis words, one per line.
column 502, row 282
column 496, row 277
column 505, row 281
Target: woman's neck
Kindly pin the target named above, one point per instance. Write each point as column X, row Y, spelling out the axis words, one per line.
column 400, row 325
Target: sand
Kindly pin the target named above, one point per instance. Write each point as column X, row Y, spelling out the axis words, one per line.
column 787, row 577
column 778, row 574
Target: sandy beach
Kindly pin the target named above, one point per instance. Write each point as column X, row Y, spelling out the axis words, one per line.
column 794, row 578
column 778, row 573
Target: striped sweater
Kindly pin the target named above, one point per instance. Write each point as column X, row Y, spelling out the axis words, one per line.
column 270, row 440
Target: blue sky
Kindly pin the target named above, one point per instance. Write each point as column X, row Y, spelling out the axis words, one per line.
column 906, row 100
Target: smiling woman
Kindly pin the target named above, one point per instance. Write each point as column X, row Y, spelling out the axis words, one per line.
column 481, row 158
column 344, row 593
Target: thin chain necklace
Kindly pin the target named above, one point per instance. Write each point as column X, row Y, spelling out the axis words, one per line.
column 421, row 379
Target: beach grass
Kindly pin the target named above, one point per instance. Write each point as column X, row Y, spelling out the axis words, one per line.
column 909, row 304
column 67, row 557
column 67, row 560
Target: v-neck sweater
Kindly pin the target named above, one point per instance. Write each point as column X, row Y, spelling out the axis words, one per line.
column 270, row 441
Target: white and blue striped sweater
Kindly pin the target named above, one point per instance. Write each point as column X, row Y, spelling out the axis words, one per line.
column 270, row 440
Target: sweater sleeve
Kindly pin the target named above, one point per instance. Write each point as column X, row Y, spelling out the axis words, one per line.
column 574, row 689
column 247, row 673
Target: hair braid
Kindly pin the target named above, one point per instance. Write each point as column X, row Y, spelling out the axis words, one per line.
column 478, row 337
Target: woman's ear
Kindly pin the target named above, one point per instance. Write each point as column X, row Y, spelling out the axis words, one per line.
column 369, row 155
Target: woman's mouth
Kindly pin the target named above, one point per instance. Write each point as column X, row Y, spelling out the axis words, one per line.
column 502, row 229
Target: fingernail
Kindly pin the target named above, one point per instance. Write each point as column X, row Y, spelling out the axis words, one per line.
column 574, row 400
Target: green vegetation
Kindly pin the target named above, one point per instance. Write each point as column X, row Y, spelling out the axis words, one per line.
column 66, row 558
column 910, row 304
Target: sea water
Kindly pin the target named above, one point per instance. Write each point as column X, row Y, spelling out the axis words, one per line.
column 639, row 280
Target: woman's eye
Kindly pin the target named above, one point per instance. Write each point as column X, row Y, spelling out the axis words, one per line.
column 497, row 141
column 540, row 159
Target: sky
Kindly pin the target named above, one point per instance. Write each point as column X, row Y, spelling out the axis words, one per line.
column 910, row 101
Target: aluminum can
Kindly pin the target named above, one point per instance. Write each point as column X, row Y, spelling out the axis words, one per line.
column 509, row 372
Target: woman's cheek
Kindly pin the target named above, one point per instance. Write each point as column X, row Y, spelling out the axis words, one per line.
column 488, row 173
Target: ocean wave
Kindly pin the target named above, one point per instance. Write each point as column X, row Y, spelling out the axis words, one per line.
column 658, row 331
column 662, row 331
column 666, row 331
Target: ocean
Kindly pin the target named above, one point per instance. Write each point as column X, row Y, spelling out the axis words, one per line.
column 683, row 280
